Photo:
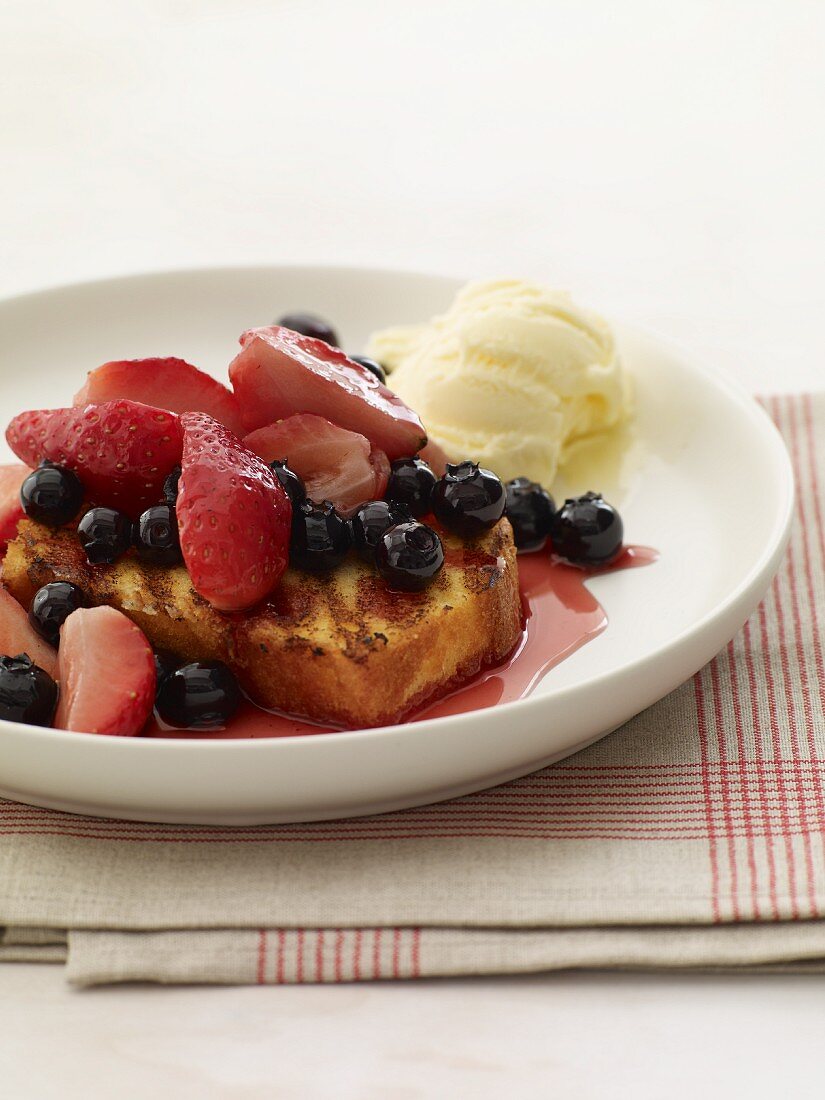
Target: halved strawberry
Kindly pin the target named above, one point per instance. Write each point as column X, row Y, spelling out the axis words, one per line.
column 335, row 464
column 234, row 518
column 121, row 450
column 11, row 510
column 280, row 372
column 17, row 635
column 107, row 674
column 170, row 383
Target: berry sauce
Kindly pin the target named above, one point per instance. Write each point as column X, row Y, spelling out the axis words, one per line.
column 560, row 616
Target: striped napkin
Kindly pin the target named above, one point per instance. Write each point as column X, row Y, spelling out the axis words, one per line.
column 692, row 837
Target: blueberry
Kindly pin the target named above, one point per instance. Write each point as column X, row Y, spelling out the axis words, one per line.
column 156, row 536
column 409, row 555
column 587, row 531
column 170, row 487
column 52, row 605
column 310, row 324
column 468, row 499
column 203, row 695
column 320, row 537
column 373, row 366
column 369, row 522
column 51, row 495
column 530, row 509
column 105, row 535
column 27, row 693
column 411, row 483
column 291, row 483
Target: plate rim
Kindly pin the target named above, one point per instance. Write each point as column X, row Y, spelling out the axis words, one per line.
column 766, row 564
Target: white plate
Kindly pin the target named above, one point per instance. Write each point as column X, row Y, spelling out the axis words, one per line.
column 706, row 481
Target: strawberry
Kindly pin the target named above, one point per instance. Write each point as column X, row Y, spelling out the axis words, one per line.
column 11, row 510
column 120, row 450
column 107, row 674
column 171, row 384
column 279, row 372
column 17, row 635
column 334, row 464
column 234, row 518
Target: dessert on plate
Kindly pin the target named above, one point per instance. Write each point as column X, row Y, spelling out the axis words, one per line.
column 329, row 537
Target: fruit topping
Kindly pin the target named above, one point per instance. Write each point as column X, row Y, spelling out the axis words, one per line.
column 107, row 674
column 156, row 536
column 373, row 366
column 333, row 463
column 17, row 635
column 171, row 384
column 371, row 520
column 411, row 483
column 409, row 555
column 27, row 692
column 587, row 531
column 291, row 483
column 203, row 695
column 320, row 537
column 105, row 535
column 11, row 505
column 468, row 499
column 279, row 373
column 121, row 451
column 530, row 509
column 51, row 606
column 233, row 515
column 51, row 495
column 310, row 324
column 170, row 486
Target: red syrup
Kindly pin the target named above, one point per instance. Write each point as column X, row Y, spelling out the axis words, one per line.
column 560, row 616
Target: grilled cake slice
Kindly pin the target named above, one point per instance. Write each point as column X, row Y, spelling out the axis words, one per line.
column 340, row 648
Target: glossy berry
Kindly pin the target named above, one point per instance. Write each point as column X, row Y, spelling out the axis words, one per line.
column 27, row 693
column 51, row 495
column 409, row 555
column 587, row 531
column 105, row 535
column 279, row 374
column 107, row 674
column 320, row 537
column 373, row 366
column 530, row 509
column 411, row 483
column 291, row 483
column 200, row 696
column 468, row 499
column 162, row 383
column 156, row 536
column 18, row 636
column 121, row 450
column 233, row 517
column 332, row 462
column 371, row 520
column 310, row 324
column 52, row 605
column 170, row 487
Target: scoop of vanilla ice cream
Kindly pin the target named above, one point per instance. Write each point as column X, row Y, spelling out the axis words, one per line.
column 510, row 376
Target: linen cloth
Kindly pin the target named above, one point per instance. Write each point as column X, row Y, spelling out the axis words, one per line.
column 694, row 836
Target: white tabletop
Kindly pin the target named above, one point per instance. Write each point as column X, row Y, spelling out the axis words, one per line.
column 664, row 162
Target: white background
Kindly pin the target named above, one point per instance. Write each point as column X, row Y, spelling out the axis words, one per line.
column 664, row 161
